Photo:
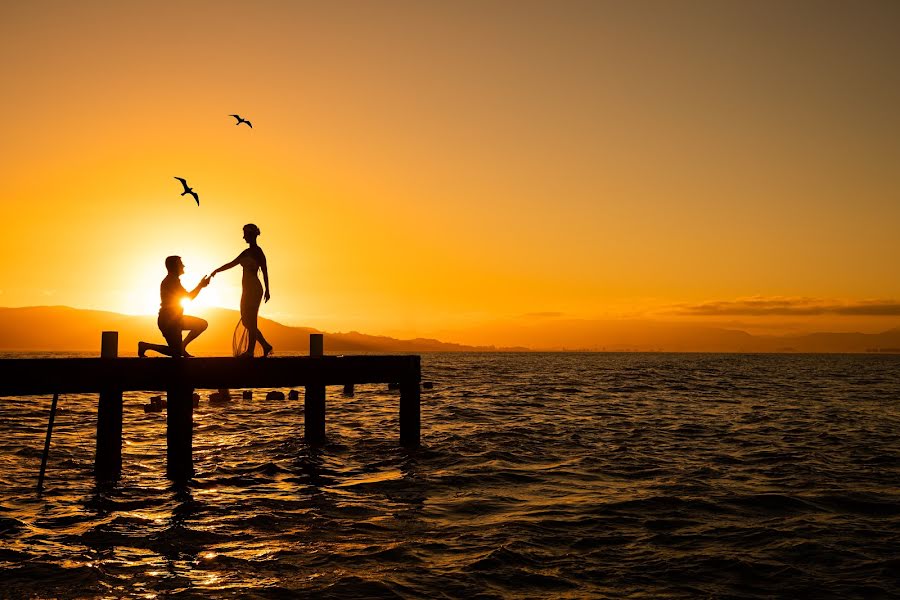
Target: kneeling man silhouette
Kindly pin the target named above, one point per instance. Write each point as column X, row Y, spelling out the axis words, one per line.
column 172, row 320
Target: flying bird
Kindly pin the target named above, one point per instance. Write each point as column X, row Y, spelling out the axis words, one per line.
column 188, row 190
column 242, row 120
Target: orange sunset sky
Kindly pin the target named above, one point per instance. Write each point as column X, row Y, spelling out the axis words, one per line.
column 460, row 169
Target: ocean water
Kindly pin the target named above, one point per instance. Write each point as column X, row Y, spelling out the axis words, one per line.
column 540, row 476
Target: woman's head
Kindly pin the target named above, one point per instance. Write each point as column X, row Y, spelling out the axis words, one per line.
column 251, row 231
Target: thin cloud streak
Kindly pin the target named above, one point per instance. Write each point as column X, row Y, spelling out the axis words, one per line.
column 543, row 315
column 765, row 307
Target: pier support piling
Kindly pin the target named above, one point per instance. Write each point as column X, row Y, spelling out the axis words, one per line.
column 108, row 458
column 180, row 433
column 314, row 399
column 410, row 406
column 40, row 485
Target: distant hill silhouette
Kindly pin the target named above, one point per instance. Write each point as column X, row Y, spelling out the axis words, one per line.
column 637, row 335
column 60, row 328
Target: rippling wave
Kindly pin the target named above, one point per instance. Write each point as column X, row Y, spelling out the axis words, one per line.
column 540, row 476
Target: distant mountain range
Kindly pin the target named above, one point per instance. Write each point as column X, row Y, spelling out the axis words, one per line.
column 60, row 328
column 640, row 335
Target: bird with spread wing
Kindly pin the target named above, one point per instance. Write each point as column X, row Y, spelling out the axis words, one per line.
column 188, row 190
column 240, row 120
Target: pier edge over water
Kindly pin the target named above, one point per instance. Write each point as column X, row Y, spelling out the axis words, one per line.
column 110, row 376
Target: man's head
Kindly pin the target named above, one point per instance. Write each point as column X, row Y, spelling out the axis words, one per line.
column 174, row 265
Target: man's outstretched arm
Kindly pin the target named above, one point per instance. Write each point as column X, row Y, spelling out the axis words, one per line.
column 203, row 283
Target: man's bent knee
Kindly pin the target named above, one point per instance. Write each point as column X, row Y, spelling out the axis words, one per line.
column 195, row 324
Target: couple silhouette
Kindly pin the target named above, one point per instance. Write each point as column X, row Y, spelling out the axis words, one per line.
column 172, row 321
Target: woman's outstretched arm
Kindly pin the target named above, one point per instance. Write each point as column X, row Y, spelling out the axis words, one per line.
column 229, row 265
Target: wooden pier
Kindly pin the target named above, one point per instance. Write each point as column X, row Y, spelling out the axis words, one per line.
column 109, row 376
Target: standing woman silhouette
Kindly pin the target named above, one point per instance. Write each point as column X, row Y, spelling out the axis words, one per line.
column 252, row 260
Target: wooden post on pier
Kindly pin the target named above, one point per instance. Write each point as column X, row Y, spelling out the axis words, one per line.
column 314, row 400
column 410, row 400
column 108, row 459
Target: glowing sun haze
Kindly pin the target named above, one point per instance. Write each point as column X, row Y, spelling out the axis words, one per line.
column 424, row 168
